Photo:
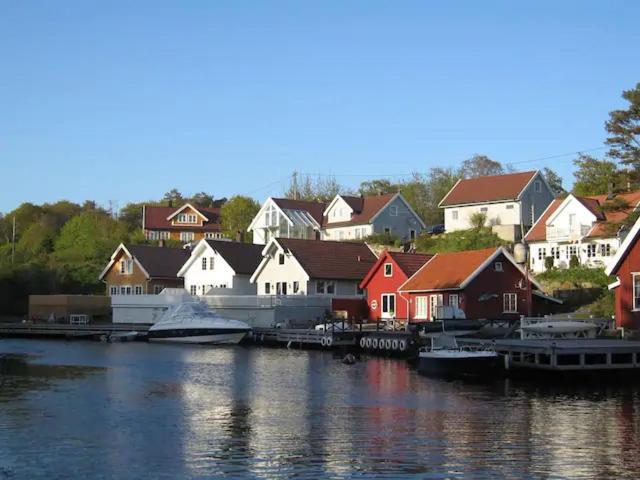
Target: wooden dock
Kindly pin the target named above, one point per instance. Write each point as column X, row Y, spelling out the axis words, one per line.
column 62, row 330
column 563, row 355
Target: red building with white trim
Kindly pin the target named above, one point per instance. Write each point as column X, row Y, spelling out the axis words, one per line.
column 626, row 267
column 381, row 283
column 485, row 284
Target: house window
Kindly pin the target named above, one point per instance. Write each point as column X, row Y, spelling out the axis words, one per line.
column 605, row 249
column 388, row 301
column 113, row 290
column 213, row 235
column 186, row 236
column 296, row 287
column 510, row 302
column 325, row 287
column 126, row 267
column 340, row 235
column 393, row 210
column 164, row 235
column 509, row 207
column 281, row 288
column 454, row 215
column 591, row 250
column 537, row 186
column 125, row 290
column 192, row 289
column 157, row 289
column 281, row 259
column 572, row 251
column 388, row 270
column 331, row 288
column 454, row 300
column 542, row 253
column 387, row 231
column 435, row 301
column 636, row 291
column 412, row 235
column 211, row 263
column 359, row 291
column 555, row 252
column 152, row 235
column 497, row 266
column 182, row 218
column 192, row 218
column 204, row 263
column 320, row 287
column 267, row 288
column 484, row 210
column 137, row 290
column 204, row 289
column 421, row 307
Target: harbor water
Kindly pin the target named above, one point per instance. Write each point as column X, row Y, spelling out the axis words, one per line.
column 135, row 410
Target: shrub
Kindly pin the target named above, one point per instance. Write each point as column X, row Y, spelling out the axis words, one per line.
column 548, row 263
column 458, row 241
column 604, row 306
column 579, row 277
column 574, row 262
column 383, row 239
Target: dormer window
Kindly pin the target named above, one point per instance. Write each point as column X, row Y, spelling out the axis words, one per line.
column 191, row 218
column 182, row 218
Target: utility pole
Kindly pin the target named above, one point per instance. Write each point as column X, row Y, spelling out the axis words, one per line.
column 294, row 184
column 13, row 241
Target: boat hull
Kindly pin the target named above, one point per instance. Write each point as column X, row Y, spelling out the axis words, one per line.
column 201, row 336
column 488, row 365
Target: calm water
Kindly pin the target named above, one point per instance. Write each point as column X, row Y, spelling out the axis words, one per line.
column 91, row 410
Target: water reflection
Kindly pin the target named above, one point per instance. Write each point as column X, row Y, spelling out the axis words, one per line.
column 162, row 411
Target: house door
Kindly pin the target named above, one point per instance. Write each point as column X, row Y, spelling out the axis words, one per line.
column 434, row 302
column 388, row 302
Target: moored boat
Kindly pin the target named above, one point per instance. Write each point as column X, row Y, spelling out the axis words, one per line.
column 446, row 358
column 193, row 322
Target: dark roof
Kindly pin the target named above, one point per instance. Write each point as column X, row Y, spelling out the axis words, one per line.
column 331, row 260
column 155, row 218
column 244, row 258
column 410, row 263
column 364, row 209
column 159, row 262
column 315, row 209
column 492, row 188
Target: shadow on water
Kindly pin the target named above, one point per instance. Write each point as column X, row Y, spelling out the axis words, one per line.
column 20, row 374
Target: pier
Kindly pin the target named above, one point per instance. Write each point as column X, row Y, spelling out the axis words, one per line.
column 563, row 355
column 77, row 331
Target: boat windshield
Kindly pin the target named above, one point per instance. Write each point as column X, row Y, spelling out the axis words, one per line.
column 187, row 312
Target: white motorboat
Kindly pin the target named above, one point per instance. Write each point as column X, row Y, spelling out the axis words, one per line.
column 557, row 329
column 445, row 357
column 194, row 322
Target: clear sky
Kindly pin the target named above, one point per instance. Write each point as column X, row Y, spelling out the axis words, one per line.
column 123, row 101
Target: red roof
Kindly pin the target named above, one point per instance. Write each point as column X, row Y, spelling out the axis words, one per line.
column 364, row 209
column 493, row 188
column 331, row 260
column 314, row 209
column 447, row 270
column 593, row 203
column 155, row 218
column 409, row 263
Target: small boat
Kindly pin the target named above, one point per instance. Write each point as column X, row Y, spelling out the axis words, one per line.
column 446, row 358
column 194, row 322
column 558, row 329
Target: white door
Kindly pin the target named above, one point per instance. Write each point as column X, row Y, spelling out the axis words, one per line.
column 388, row 302
column 434, row 301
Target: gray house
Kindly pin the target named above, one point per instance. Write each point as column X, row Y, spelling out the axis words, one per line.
column 349, row 218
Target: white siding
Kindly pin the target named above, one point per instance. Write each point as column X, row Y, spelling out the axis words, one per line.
column 289, row 272
column 505, row 213
column 347, row 233
column 340, row 211
column 222, row 274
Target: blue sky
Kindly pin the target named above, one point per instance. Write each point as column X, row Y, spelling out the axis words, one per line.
column 122, row 101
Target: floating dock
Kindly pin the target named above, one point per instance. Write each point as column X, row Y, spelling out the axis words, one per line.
column 563, row 355
column 64, row 330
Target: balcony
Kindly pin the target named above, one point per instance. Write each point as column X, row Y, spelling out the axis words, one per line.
column 560, row 234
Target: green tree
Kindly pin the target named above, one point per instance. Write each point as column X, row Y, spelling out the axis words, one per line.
column 36, row 243
column 623, row 127
column 322, row 188
column 85, row 243
column 173, row 198
column 555, row 182
column 438, row 183
column 594, row 177
column 236, row 215
column 377, row 187
column 202, row 199
column 480, row 166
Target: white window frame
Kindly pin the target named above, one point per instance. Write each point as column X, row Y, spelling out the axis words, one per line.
column 296, row 287
column 137, row 290
column 393, row 211
column 192, row 218
column 390, row 268
column 126, row 267
column 635, row 284
column 387, row 230
column 281, row 259
column 165, row 235
column 453, row 296
column 157, row 289
column 203, row 262
column 182, row 218
column 267, row 288
column 592, row 251
column 497, row 266
column 454, row 214
column 509, row 303
column 187, row 236
column 113, row 290
column 126, row 290
column 389, row 313
column 435, row 300
column 193, row 290
column 537, row 186
column 421, row 307
column 212, row 262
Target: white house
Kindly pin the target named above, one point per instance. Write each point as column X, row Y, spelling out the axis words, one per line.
column 284, row 218
column 344, row 218
column 351, row 218
column 589, row 228
column 218, row 267
column 511, row 202
column 312, row 267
